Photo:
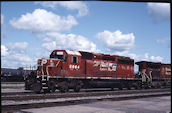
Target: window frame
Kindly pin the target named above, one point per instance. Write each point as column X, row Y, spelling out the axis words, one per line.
column 72, row 59
column 65, row 58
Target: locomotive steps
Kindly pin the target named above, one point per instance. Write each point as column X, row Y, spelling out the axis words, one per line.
column 47, row 100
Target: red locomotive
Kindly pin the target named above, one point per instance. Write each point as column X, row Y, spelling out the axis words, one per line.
column 155, row 73
column 67, row 69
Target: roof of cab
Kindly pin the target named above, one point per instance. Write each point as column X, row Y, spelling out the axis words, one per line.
column 73, row 52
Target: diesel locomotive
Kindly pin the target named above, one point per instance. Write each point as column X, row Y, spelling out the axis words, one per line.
column 66, row 69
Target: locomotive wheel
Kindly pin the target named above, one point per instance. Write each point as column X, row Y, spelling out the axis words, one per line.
column 153, row 87
column 112, row 89
column 120, row 87
column 53, row 89
column 36, row 87
column 29, row 83
column 46, row 90
column 165, row 85
column 64, row 89
column 52, row 86
column 158, row 85
column 27, row 86
column 146, row 86
column 136, row 87
column 128, row 87
column 77, row 88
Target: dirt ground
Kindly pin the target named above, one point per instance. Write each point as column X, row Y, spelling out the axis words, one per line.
column 144, row 105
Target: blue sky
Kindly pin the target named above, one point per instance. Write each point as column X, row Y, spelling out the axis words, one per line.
column 31, row 30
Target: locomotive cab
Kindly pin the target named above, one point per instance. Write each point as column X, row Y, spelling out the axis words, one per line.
column 60, row 65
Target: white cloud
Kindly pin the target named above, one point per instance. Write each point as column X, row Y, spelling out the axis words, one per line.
column 18, row 46
column 126, row 54
column 42, row 20
column 42, row 54
column 71, row 5
column 162, row 41
column 159, row 11
column 156, row 58
column 2, row 19
column 4, row 50
column 51, row 4
column 147, row 57
column 116, row 41
column 22, row 58
column 17, row 60
column 51, row 45
column 14, row 55
column 68, row 41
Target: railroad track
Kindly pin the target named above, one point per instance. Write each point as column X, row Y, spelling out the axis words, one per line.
column 70, row 91
column 30, row 95
column 59, row 99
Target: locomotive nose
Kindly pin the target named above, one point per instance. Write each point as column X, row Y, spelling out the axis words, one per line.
column 41, row 62
column 48, row 67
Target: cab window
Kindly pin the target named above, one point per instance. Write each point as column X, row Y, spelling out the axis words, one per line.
column 57, row 55
column 65, row 58
column 74, row 59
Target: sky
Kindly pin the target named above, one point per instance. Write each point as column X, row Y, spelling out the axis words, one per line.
column 32, row 30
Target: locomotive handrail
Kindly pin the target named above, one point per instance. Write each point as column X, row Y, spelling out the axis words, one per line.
column 144, row 76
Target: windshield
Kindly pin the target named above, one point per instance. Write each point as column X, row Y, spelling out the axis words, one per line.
column 56, row 56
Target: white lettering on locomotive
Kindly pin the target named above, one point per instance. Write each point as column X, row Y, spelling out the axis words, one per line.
column 105, row 66
column 123, row 67
column 112, row 67
column 167, row 71
column 96, row 63
column 72, row 67
column 44, row 61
